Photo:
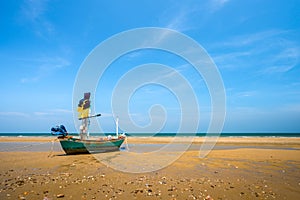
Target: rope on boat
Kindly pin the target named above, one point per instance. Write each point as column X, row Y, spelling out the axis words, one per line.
column 126, row 144
column 52, row 147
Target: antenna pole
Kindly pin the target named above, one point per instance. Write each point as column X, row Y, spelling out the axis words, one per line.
column 117, row 126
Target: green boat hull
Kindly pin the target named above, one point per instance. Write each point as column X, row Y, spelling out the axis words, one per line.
column 76, row 146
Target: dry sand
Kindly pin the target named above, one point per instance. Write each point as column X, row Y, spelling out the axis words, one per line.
column 268, row 171
column 221, row 140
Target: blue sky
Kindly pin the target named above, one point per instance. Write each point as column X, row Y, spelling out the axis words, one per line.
column 254, row 44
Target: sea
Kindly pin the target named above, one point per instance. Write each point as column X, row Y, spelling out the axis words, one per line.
column 161, row 134
column 54, row 146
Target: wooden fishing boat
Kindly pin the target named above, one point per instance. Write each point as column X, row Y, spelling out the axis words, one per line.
column 73, row 145
column 85, row 144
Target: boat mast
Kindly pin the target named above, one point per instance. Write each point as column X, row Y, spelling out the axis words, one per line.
column 84, row 111
column 117, row 126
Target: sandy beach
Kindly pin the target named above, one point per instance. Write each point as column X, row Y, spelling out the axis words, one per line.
column 238, row 168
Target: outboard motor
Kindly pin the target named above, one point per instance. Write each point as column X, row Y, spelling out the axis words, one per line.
column 59, row 131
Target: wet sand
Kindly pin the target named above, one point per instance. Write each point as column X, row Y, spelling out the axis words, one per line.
column 221, row 140
column 252, row 168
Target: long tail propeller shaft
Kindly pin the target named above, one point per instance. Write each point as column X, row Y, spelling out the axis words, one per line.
column 97, row 115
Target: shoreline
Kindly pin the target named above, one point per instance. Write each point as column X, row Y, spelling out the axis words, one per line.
column 150, row 144
column 196, row 140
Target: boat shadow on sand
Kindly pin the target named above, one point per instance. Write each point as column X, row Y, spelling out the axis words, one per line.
column 89, row 153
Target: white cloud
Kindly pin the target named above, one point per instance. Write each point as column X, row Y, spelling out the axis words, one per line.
column 33, row 9
column 249, row 39
column 53, row 112
column 246, row 94
column 42, row 113
column 45, row 67
column 180, row 17
column 266, row 52
column 230, row 60
column 33, row 12
column 179, row 22
column 290, row 108
column 284, row 61
column 133, row 55
column 185, row 17
column 14, row 114
column 215, row 5
column 106, row 114
column 60, row 110
column 245, row 111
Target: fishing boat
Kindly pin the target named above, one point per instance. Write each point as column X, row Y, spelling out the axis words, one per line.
column 84, row 144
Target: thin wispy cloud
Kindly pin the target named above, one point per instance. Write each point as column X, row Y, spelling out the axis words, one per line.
column 45, row 67
column 249, row 39
column 14, row 114
column 179, row 17
column 133, row 55
column 186, row 72
column 246, row 110
column 33, row 13
column 46, row 113
column 284, row 61
column 175, row 17
column 104, row 114
column 61, row 110
column 265, row 52
column 33, row 9
column 291, row 108
column 52, row 112
column 230, row 60
column 41, row 114
column 215, row 5
column 246, row 94
column 180, row 21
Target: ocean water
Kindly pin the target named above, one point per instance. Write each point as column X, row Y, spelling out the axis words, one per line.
column 161, row 134
column 49, row 146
